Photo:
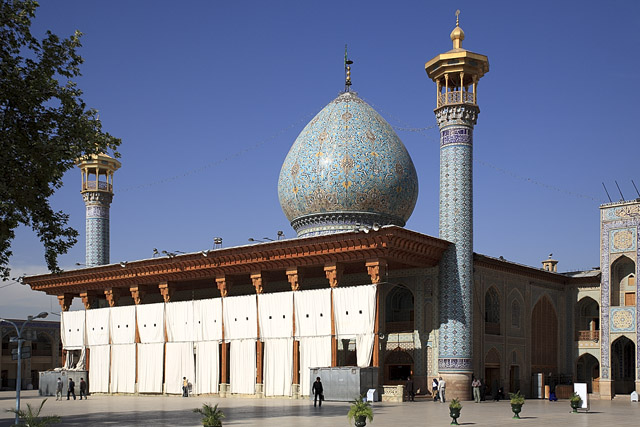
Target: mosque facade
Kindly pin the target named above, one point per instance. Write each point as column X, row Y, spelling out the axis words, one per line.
column 355, row 288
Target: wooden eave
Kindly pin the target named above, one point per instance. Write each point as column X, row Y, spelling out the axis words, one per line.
column 401, row 248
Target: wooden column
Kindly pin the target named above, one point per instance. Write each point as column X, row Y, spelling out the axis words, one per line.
column 333, row 272
column 223, row 286
column 293, row 276
column 256, row 279
column 65, row 301
column 376, row 269
column 112, row 294
column 166, row 290
column 137, row 293
column 88, row 299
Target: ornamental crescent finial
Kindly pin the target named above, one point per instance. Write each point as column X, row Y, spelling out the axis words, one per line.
column 458, row 18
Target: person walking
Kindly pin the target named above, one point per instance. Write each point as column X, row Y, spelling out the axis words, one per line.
column 71, row 389
column 83, row 389
column 434, row 389
column 185, row 387
column 318, row 392
column 476, row 389
column 442, row 385
column 411, row 394
column 59, row 385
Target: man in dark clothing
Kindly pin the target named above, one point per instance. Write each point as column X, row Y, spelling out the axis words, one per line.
column 70, row 389
column 317, row 392
column 83, row 389
column 411, row 394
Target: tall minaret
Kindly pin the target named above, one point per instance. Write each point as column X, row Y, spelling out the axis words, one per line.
column 456, row 74
column 97, row 193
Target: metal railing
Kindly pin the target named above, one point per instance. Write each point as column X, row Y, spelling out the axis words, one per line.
column 91, row 185
column 456, row 97
column 492, row 328
column 398, row 327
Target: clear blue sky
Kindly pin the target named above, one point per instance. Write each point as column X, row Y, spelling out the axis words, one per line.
column 208, row 97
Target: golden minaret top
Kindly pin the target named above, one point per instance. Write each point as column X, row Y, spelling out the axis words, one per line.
column 457, row 35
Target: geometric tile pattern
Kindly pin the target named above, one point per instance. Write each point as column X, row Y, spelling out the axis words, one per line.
column 97, row 227
column 347, row 166
column 616, row 220
column 456, row 225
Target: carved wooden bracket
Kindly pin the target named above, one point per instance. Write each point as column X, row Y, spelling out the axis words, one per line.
column 376, row 269
column 88, row 299
column 223, row 286
column 112, row 294
column 334, row 273
column 294, row 277
column 257, row 280
column 65, row 301
column 137, row 293
column 166, row 290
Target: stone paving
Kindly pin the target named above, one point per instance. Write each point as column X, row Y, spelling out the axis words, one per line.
column 177, row 411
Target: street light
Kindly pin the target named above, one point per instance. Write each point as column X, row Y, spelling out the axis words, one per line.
column 19, row 340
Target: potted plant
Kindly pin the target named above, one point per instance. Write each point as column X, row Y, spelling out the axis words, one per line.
column 32, row 418
column 454, row 411
column 517, row 400
column 361, row 411
column 211, row 415
column 576, row 401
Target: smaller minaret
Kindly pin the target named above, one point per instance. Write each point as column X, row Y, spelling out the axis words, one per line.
column 97, row 193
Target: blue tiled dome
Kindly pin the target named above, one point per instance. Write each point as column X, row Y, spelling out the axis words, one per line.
column 347, row 168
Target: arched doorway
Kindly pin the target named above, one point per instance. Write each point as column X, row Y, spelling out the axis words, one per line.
column 588, row 320
column 623, row 282
column 623, row 355
column 492, row 312
column 544, row 338
column 587, row 370
column 492, row 370
column 399, row 310
column 398, row 365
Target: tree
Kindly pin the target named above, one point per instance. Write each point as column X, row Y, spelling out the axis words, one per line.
column 44, row 127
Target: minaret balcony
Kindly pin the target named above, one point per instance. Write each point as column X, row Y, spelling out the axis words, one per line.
column 456, row 97
column 97, row 186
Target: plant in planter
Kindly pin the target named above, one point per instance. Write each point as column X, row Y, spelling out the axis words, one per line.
column 576, row 401
column 211, row 415
column 361, row 411
column 517, row 400
column 31, row 417
column 454, row 411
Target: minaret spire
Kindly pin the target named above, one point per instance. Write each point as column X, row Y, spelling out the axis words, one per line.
column 347, row 70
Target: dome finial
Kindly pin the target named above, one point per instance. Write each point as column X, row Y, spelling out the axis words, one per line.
column 457, row 35
column 347, row 70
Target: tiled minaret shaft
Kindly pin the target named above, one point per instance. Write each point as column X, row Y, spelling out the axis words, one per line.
column 456, row 74
column 97, row 193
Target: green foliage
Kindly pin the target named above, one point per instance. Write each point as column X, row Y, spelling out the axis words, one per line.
column 360, row 408
column 455, row 404
column 211, row 415
column 44, row 127
column 516, row 398
column 32, row 418
column 575, row 398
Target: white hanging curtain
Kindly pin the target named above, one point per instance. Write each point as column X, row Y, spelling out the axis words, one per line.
column 355, row 313
column 240, row 318
column 313, row 313
column 278, row 366
column 243, row 366
column 180, row 321
column 123, row 368
column 207, row 371
column 97, row 326
column 72, row 328
column 99, row 362
column 315, row 352
column 82, row 361
column 150, row 319
column 179, row 364
column 150, row 364
column 122, row 324
column 207, row 317
column 275, row 312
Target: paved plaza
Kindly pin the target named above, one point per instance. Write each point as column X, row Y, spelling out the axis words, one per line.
column 177, row 411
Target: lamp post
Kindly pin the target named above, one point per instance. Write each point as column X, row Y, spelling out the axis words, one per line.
column 20, row 340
